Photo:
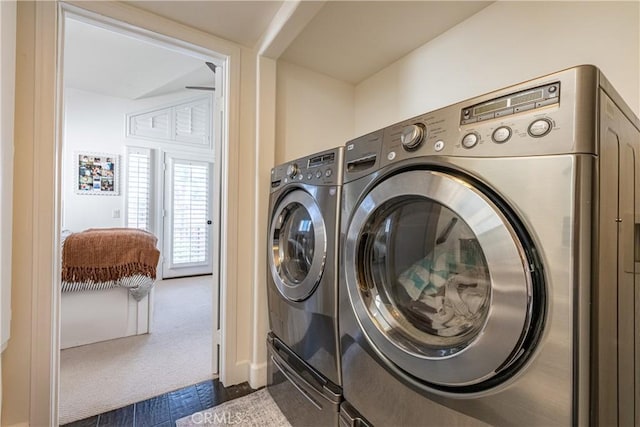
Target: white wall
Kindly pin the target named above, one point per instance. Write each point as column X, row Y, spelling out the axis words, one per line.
column 314, row 112
column 96, row 123
column 506, row 43
column 7, row 92
column 93, row 123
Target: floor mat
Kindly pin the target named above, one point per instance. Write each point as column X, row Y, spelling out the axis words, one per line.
column 253, row 410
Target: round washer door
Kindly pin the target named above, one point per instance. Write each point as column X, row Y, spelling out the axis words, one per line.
column 438, row 279
column 298, row 245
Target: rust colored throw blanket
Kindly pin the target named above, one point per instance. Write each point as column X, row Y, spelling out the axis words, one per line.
column 106, row 254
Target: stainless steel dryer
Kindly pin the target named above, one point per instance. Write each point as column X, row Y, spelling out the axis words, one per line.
column 491, row 261
column 304, row 374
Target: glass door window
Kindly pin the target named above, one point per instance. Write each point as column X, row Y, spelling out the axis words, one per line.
column 426, row 274
column 440, row 280
column 297, row 245
column 295, row 240
column 188, row 223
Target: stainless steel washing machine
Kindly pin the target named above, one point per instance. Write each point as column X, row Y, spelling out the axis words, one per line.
column 304, row 375
column 491, row 261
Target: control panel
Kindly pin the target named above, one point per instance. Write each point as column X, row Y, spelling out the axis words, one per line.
column 318, row 169
column 523, row 120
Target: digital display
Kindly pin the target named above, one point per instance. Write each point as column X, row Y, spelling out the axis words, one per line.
column 527, row 97
column 321, row 160
column 490, row 107
column 504, row 105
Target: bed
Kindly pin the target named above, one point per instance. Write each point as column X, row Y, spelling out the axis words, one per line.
column 107, row 284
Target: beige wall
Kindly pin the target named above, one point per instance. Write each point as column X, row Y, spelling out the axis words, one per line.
column 506, row 43
column 314, row 112
column 7, row 91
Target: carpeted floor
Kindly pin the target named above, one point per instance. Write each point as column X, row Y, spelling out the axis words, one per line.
column 257, row 409
column 100, row 377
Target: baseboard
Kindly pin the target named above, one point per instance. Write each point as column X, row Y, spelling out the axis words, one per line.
column 258, row 375
column 236, row 374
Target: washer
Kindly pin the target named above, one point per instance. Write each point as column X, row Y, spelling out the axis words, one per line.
column 304, row 375
column 490, row 272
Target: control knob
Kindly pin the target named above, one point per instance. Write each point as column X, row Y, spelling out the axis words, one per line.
column 412, row 136
column 292, row 170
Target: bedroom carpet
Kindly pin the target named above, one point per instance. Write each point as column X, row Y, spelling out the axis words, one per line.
column 99, row 377
column 257, row 409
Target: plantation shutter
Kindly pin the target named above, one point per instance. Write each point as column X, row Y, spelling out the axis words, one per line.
column 138, row 188
column 190, row 212
column 192, row 122
column 185, row 123
column 154, row 124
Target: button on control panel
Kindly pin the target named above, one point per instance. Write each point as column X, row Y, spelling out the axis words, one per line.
column 470, row 140
column 539, row 128
column 501, row 134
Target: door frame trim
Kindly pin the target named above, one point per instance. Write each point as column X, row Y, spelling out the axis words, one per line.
column 39, row 130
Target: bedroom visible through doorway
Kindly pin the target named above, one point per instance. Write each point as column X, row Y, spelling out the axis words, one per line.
column 140, row 149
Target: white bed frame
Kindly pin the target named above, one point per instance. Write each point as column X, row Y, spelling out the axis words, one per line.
column 91, row 316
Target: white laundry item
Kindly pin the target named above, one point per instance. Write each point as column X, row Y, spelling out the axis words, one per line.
column 465, row 296
column 425, row 276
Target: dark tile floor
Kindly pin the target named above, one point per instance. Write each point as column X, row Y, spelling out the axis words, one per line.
column 163, row 411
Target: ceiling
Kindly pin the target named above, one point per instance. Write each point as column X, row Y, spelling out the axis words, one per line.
column 242, row 22
column 352, row 40
column 347, row 40
column 106, row 62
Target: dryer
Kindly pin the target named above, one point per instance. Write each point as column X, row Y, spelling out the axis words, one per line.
column 490, row 260
column 304, row 375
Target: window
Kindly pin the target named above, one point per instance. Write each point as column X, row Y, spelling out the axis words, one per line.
column 138, row 188
column 190, row 230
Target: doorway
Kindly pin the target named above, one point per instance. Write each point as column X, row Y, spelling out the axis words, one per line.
column 182, row 192
column 187, row 216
